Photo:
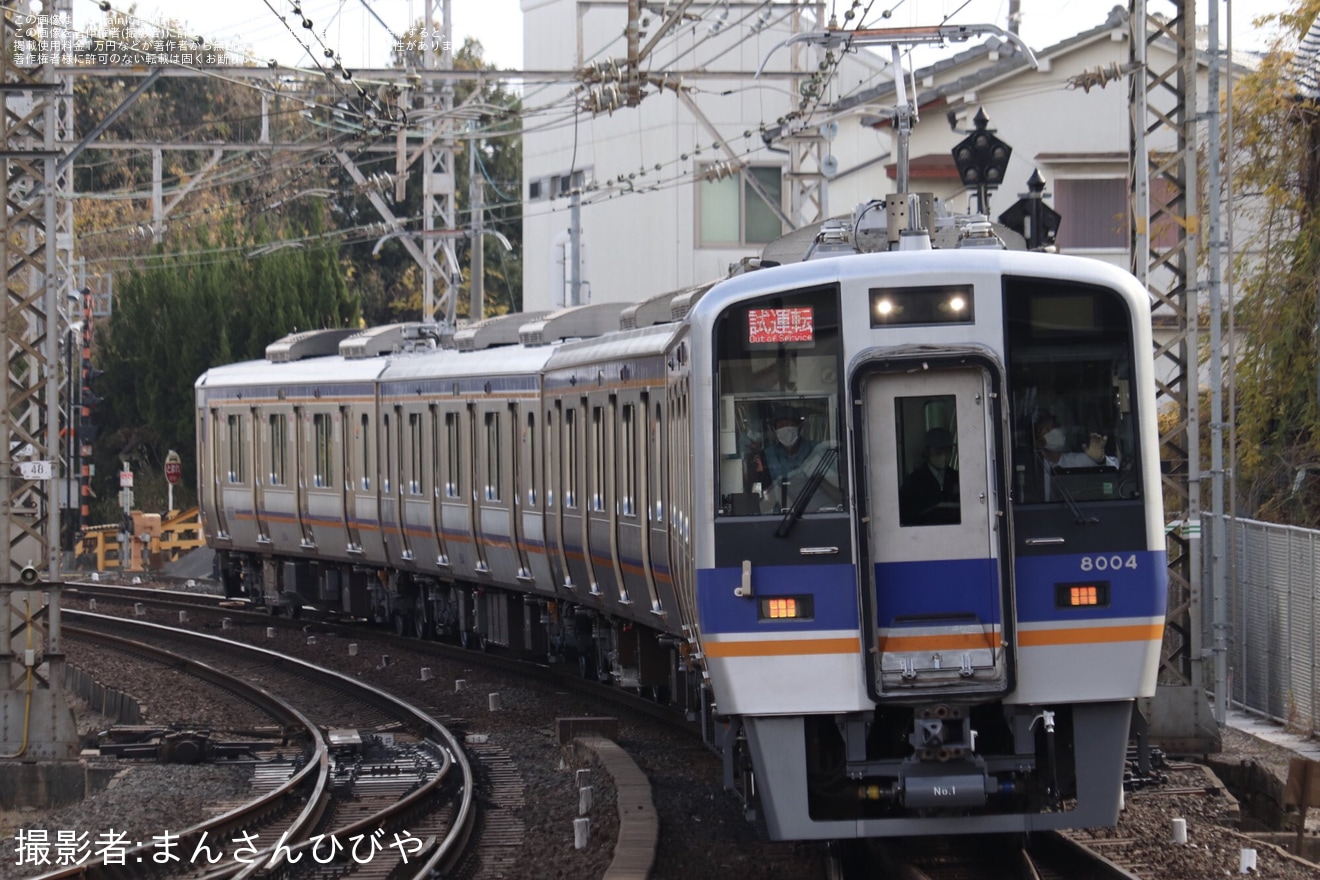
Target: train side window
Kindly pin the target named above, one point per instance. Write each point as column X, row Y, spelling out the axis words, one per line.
column 346, row 453
column 323, row 437
column 235, row 443
column 387, row 447
column 415, row 452
column 366, row 453
column 596, row 452
column 533, row 466
column 570, row 457
column 279, row 449
column 553, row 472
column 657, row 476
column 453, row 475
column 435, row 448
column 627, row 461
column 493, row 457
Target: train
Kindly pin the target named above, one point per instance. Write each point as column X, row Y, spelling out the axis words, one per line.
column 711, row 497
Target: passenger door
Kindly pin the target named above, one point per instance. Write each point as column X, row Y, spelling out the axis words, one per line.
column 938, row 581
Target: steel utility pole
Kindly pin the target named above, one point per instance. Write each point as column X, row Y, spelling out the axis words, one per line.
column 39, row 723
column 1165, row 234
column 438, row 168
column 29, row 403
column 477, row 305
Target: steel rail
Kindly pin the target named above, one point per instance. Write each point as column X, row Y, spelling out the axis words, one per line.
column 316, row 773
column 445, row 853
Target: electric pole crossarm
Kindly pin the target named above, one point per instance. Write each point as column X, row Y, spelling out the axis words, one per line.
column 755, row 184
column 384, row 210
column 109, row 120
column 673, row 19
column 913, row 36
column 196, row 178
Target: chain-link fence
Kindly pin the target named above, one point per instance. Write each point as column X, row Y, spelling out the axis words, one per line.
column 1273, row 579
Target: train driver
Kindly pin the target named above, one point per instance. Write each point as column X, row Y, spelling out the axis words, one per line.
column 788, row 455
column 793, row 460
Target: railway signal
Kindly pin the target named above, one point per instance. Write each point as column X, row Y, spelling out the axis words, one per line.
column 982, row 160
column 1030, row 217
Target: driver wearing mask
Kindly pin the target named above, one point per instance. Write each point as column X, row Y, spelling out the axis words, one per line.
column 790, row 451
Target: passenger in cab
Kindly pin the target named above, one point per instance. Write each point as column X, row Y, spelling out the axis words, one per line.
column 1052, row 444
column 929, row 496
column 1052, row 447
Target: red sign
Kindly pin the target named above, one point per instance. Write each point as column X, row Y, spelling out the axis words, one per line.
column 780, row 325
column 173, row 467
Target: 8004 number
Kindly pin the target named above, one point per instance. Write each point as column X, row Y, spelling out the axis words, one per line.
column 1109, row 563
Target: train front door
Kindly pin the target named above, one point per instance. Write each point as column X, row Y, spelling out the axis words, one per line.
column 937, row 574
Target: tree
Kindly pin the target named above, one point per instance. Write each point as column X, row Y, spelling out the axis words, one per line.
column 1277, row 164
column 179, row 315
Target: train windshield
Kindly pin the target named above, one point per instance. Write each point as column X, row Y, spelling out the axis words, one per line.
column 778, row 372
column 1070, row 378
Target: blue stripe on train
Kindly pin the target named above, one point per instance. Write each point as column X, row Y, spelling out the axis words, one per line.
column 1138, row 584
column 833, row 589
column 940, row 587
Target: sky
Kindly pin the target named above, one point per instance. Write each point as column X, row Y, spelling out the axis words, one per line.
column 350, row 28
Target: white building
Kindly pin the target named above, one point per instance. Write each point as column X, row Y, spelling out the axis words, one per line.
column 655, row 219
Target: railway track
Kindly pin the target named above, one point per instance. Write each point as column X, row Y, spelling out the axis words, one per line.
column 403, row 795
column 1045, row 856
column 205, row 603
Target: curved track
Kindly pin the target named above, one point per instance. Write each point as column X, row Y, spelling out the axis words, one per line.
column 421, row 784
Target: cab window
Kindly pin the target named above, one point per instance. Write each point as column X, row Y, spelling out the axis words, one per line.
column 778, row 372
column 1070, row 379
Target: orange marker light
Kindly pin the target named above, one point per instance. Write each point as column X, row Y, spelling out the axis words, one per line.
column 1084, row 596
column 1089, row 594
column 798, row 607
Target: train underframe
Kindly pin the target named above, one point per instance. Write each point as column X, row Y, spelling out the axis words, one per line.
column 551, row 630
column 938, row 768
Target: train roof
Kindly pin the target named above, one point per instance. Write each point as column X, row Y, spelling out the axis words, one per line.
column 930, row 263
column 444, row 363
column 642, row 342
column 317, row 370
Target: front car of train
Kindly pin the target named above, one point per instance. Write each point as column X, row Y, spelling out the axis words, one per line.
column 930, row 579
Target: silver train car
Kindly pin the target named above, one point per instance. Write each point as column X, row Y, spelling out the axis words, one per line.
column 725, row 510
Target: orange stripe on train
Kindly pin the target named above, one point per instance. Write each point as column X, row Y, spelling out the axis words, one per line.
column 1038, row 638
column 783, row 647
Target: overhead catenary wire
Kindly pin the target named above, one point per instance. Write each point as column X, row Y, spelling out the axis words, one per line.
column 555, row 113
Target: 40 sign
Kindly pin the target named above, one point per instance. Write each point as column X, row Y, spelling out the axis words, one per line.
column 173, row 467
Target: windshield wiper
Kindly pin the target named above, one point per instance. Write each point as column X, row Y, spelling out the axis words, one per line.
column 1078, row 516
column 794, row 513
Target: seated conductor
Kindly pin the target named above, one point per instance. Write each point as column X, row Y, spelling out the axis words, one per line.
column 929, row 495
